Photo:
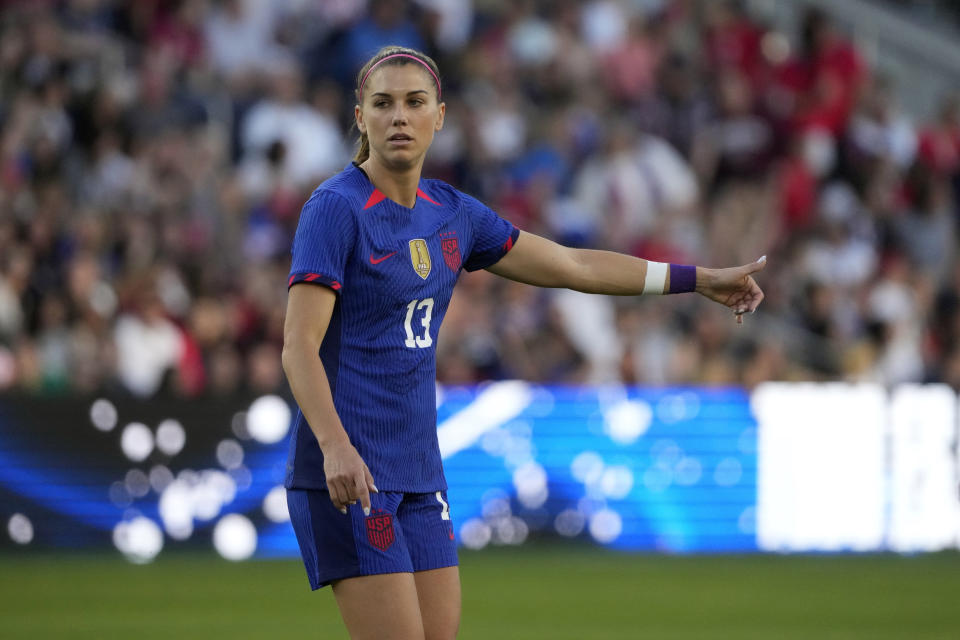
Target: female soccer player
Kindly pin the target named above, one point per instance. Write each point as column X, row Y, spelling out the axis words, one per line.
column 386, row 247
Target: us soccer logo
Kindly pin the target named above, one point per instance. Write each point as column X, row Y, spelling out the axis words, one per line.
column 380, row 531
column 451, row 253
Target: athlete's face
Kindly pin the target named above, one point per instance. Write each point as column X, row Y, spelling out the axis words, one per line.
column 400, row 114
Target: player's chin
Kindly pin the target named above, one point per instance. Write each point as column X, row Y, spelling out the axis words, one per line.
column 402, row 159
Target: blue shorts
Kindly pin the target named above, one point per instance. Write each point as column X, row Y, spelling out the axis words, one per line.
column 405, row 532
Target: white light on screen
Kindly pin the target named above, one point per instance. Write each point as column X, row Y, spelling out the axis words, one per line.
column 275, row 505
column 242, row 478
column 268, row 419
column 235, row 537
column 213, row 490
column 206, row 501
column 136, row 441
column 606, row 526
column 587, row 467
column 495, row 442
column 569, row 523
column 496, row 508
column 137, row 483
column 519, row 451
column 160, row 478
column 171, row 437
column 103, row 414
column 924, row 506
column 176, row 509
column 675, row 407
column 493, row 407
column 475, row 534
column 222, row 482
column 20, row 529
column 821, row 475
column 238, row 424
column 627, row 420
column 530, row 481
column 139, row 539
column 616, row 482
column 229, row 453
column 588, row 505
column 119, row 495
column 510, row 531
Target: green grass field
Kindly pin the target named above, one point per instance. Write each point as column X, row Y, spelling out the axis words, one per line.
column 530, row 592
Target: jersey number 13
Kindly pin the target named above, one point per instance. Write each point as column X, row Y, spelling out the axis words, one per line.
column 414, row 341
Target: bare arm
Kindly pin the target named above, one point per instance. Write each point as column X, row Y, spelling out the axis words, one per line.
column 309, row 309
column 544, row 263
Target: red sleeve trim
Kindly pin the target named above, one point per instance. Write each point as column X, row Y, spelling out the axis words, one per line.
column 313, row 278
column 512, row 238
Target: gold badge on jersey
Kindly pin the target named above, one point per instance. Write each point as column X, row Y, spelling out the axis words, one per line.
column 420, row 256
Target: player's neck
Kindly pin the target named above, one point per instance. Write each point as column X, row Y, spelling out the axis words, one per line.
column 398, row 185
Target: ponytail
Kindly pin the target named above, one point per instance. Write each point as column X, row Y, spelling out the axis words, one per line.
column 364, row 151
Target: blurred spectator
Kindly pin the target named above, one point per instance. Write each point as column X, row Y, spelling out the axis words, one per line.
column 732, row 41
column 387, row 21
column 819, row 88
column 310, row 141
column 240, row 37
column 149, row 346
column 679, row 109
column 879, row 132
column 630, row 68
column 926, row 232
column 939, row 145
column 636, row 184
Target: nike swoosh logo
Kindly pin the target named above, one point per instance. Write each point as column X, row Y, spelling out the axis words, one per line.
column 379, row 260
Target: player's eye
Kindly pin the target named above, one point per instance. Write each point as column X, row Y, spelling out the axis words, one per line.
column 379, row 103
column 416, row 102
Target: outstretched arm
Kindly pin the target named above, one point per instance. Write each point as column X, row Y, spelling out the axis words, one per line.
column 544, row 263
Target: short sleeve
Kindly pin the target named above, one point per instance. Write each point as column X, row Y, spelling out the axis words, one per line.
column 493, row 236
column 325, row 237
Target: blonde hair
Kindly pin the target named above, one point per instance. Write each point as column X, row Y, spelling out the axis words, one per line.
column 363, row 152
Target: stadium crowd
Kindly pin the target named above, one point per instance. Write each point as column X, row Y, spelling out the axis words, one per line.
column 154, row 156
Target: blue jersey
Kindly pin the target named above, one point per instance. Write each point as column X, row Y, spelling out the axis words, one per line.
column 393, row 269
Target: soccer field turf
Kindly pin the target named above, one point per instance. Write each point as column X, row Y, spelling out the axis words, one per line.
column 534, row 592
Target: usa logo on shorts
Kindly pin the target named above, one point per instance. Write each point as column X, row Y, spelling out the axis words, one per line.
column 380, row 531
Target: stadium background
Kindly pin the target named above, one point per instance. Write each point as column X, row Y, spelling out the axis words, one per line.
column 153, row 159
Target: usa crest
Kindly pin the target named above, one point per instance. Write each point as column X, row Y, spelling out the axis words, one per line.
column 420, row 257
column 451, row 253
column 380, row 531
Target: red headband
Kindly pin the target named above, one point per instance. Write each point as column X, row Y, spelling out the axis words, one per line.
column 400, row 55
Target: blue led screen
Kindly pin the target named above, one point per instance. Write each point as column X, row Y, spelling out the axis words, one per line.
column 670, row 469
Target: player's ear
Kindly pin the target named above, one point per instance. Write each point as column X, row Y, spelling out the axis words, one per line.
column 358, row 116
column 441, row 112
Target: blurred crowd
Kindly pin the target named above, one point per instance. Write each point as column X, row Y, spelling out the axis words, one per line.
column 154, row 156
